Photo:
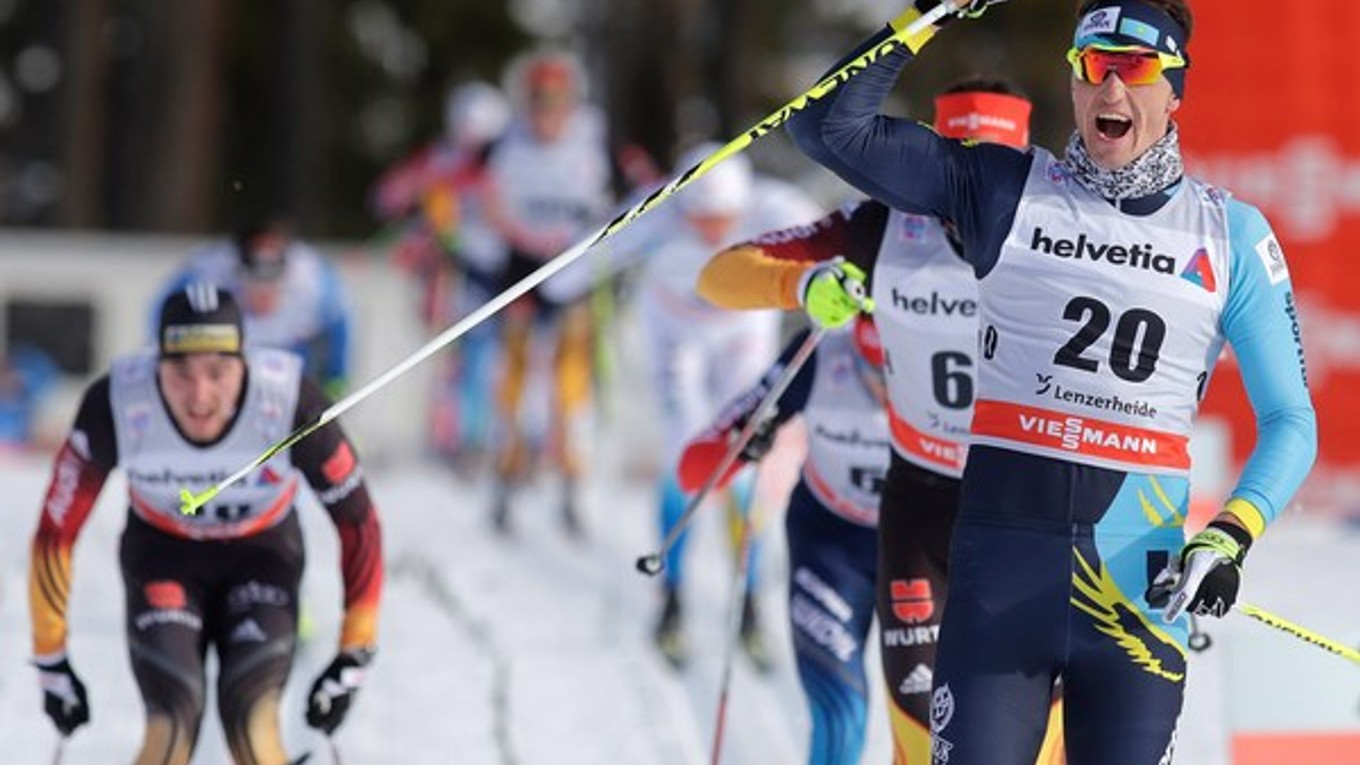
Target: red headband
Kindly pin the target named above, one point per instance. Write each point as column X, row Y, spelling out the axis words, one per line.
column 550, row 74
column 993, row 117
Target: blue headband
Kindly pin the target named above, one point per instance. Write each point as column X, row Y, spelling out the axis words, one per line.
column 1131, row 22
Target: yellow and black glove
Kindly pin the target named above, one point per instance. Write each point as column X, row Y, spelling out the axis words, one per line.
column 833, row 293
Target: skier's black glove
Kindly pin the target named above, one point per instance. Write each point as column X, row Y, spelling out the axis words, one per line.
column 335, row 689
column 63, row 695
column 1204, row 578
column 702, row 455
column 762, row 440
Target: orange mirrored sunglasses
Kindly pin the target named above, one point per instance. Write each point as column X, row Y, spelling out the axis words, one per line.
column 1133, row 65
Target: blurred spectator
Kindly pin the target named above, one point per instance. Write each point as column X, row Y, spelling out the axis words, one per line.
column 26, row 376
column 292, row 295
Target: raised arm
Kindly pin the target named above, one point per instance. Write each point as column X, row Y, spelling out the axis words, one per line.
column 907, row 165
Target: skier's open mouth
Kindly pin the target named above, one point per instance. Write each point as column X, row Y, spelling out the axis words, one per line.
column 1113, row 126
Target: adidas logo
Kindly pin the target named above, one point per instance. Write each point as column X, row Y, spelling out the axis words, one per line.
column 248, row 631
column 918, row 680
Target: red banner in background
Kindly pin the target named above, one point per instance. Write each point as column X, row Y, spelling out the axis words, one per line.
column 1272, row 113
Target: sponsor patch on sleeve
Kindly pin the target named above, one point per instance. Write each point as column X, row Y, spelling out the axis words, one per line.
column 1272, row 257
column 340, row 464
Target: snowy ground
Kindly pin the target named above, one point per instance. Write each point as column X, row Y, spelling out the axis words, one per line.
column 534, row 650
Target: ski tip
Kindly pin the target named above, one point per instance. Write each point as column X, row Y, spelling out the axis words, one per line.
column 649, row 564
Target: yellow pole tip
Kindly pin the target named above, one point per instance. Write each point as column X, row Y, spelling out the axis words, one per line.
column 189, row 503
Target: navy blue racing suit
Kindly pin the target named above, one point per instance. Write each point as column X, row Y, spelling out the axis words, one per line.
column 1076, row 488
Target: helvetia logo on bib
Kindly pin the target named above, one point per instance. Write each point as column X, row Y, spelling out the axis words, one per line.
column 1139, row 256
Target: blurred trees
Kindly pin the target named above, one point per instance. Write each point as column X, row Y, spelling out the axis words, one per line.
column 138, row 114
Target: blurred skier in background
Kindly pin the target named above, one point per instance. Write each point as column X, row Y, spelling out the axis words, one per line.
column 840, row 394
column 434, row 198
column 698, row 357
column 548, row 181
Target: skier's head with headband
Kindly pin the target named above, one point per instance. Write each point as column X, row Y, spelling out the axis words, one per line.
column 1129, row 62
column 1156, row 32
column 201, row 318
column 264, row 243
column 991, row 111
column 548, row 86
column 201, row 372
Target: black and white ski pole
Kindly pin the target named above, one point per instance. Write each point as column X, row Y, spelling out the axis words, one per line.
column 191, row 502
column 652, row 563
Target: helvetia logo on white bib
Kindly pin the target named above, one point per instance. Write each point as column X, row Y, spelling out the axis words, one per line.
column 1139, row 256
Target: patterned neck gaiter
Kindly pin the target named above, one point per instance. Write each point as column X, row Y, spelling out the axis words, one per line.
column 1157, row 168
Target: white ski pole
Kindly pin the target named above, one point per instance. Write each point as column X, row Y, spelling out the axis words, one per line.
column 652, row 563
column 190, row 502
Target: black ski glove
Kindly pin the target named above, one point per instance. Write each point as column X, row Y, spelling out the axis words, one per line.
column 63, row 695
column 1204, row 578
column 335, row 689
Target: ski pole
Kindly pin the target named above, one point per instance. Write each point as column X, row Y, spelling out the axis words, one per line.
column 1302, row 633
column 1199, row 641
column 59, row 751
column 740, row 585
column 191, row 502
column 652, row 563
